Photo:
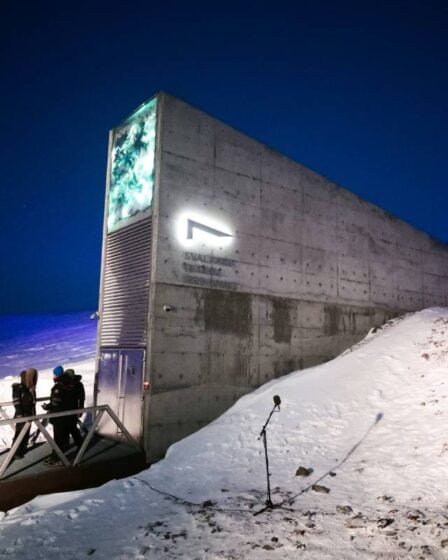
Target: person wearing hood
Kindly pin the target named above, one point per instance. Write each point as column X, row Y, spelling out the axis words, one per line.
column 62, row 398
column 24, row 398
column 80, row 399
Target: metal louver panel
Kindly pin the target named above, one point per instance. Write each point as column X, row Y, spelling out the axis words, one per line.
column 126, row 286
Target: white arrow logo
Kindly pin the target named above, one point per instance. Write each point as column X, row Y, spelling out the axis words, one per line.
column 192, row 225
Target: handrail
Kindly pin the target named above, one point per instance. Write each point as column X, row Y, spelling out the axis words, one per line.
column 27, row 421
column 11, row 403
column 21, row 419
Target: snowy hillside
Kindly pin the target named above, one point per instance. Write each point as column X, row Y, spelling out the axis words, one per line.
column 41, row 341
column 373, row 427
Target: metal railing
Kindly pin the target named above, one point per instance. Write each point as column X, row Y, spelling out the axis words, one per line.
column 97, row 411
column 4, row 405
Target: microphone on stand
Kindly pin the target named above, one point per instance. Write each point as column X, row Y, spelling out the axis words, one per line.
column 268, row 502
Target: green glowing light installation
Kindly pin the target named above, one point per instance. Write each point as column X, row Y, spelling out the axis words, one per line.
column 132, row 168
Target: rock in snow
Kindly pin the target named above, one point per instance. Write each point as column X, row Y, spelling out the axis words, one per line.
column 344, row 509
column 303, row 471
column 358, row 416
column 321, row 489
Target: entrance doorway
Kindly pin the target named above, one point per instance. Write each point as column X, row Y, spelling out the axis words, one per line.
column 120, row 385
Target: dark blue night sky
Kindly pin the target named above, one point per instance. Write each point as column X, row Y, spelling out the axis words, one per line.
column 355, row 90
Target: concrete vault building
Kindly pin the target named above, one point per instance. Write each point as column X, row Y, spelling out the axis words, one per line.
column 226, row 264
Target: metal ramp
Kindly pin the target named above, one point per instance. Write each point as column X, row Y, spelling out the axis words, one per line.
column 98, row 460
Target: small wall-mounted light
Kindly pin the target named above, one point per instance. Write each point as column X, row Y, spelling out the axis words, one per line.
column 167, row 308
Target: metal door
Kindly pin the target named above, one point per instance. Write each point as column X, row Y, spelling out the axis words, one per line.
column 120, row 385
column 130, row 394
column 106, row 389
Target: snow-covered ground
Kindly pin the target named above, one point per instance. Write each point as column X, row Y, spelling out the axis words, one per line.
column 372, row 424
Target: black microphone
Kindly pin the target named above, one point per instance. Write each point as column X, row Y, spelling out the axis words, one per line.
column 277, row 401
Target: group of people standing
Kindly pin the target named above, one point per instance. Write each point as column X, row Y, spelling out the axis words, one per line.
column 67, row 393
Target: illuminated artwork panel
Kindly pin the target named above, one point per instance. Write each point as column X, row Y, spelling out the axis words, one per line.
column 131, row 181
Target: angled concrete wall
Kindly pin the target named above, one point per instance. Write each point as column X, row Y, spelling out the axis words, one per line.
column 309, row 269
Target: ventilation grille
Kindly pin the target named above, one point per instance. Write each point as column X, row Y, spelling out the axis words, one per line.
column 126, row 286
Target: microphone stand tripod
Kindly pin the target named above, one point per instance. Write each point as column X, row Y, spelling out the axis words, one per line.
column 268, row 502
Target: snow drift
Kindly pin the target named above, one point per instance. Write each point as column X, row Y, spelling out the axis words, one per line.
column 372, row 426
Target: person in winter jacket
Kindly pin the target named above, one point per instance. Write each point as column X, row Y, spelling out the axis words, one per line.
column 62, row 398
column 24, row 398
column 80, row 399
